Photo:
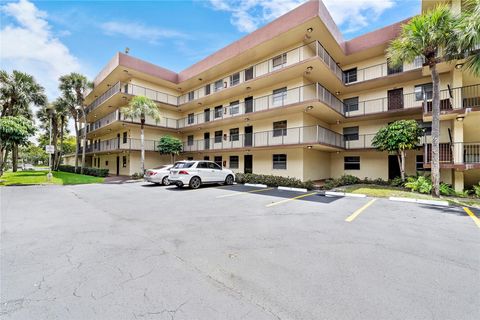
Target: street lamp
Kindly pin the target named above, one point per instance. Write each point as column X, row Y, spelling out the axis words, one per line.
column 51, row 112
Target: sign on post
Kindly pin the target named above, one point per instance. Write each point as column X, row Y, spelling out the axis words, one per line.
column 49, row 149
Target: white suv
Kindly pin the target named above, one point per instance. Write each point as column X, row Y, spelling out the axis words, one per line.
column 196, row 173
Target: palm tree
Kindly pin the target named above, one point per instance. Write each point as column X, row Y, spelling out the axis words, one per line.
column 426, row 36
column 140, row 107
column 61, row 110
column 18, row 91
column 73, row 87
column 465, row 44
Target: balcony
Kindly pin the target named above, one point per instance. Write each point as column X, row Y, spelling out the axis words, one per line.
column 455, row 99
column 132, row 89
column 458, row 155
column 364, row 141
column 311, row 135
column 269, row 102
column 118, row 144
column 281, row 61
column 354, row 76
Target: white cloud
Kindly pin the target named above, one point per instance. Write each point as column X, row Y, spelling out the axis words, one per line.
column 138, row 31
column 29, row 45
column 350, row 15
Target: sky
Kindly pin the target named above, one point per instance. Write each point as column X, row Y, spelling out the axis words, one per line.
column 51, row 38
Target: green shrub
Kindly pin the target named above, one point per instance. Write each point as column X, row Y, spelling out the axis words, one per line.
column 348, row 179
column 96, row 172
column 419, row 184
column 396, row 182
column 447, row 190
column 476, row 190
column 273, row 181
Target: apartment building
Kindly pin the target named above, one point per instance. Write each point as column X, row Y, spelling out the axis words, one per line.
column 292, row 99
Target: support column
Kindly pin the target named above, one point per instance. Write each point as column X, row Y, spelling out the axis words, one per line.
column 458, row 181
column 457, row 141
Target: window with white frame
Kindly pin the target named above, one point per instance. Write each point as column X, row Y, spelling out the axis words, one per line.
column 279, row 61
column 350, row 133
column 218, row 112
column 280, row 128
column 234, row 79
column 218, row 85
column 350, row 104
column 191, row 96
column 279, row 96
column 423, row 92
column 234, row 134
column 280, row 161
column 234, row 107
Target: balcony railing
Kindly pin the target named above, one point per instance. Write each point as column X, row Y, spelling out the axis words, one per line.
column 278, row 137
column 116, row 144
column 379, row 70
column 132, row 89
column 455, row 98
column 268, row 102
column 363, row 141
column 455, row 153
column 285, row 59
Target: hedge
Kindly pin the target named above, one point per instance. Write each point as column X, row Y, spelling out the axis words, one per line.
column 273, row 181
column 96, row 172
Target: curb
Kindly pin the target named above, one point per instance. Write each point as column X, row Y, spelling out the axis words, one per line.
column 292, row 189
column 422, row 201
column 255, row 185
column 343, row 194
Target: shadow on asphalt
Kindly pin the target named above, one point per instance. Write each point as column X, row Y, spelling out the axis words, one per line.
column 456, row 210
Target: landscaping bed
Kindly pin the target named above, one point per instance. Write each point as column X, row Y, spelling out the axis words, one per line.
column 40, row 177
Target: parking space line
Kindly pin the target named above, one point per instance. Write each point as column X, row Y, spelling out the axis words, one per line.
column 473, row 216
column 358, row 211
column 243, row 192
column 290, row 199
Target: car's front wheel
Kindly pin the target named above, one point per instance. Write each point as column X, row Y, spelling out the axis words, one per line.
column 165, row 181
column 195, row 183
column 229, row 180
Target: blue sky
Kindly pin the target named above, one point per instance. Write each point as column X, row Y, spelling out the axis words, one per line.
column 50, row 38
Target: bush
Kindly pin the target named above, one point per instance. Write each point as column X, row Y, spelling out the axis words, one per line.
column 447, row 190
column 476, row 190
column 273, row 181
column 96, row 172
column 396, row 182
column 347, row 179
column 137, row 175
column 419, row 184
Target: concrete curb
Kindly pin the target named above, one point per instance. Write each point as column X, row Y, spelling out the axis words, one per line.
column 343, row 194
column 422, row 201
column 292, row 189
column 255, row 185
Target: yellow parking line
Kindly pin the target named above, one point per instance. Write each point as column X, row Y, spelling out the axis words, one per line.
column 473, row 216
column 356, row 213
column 290, row 199
column 243, row 192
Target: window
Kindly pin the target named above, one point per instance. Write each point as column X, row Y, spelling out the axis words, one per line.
column 419, row 162
column 234, row 134
column 234, row 79
column 183, row 165
column 350, row 75
column 279, row 61
column 350, row 104
column 218, row 85
column 280, row 128
column 423, row 92
column 426, row 126
column 106, row 163
column 190, row 158
column 190, row 118
column 206, row 158
column 125, row 137
column 233, row 162
column 249, row 74
column 202, row 165
column 234, row 107
column 190, row 140
column 279, row 96
column 351, row 163
column 218, row 136
column 279, row 161
column 218, row 162
column 218, row 111
column 207, row 89
column 191, row 95
column 124, row 161
column 350, row 133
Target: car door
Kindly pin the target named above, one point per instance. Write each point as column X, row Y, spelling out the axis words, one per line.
column 203, row 171
column 216, row 172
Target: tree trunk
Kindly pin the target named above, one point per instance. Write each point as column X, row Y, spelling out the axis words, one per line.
column 77, row 142
column 142, row 143
column 399, row 159
column 84, row 144
column 14, row 157
column 435, row 132
column 402, row 168
column 2, row 160
column 60, row 154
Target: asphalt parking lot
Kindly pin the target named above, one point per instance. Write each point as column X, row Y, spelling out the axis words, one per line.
column 138, row 251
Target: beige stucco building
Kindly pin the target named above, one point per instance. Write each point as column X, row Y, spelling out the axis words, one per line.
column 293, row 99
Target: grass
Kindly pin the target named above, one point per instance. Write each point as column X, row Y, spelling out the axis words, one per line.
column 388, row 191
column 40, row 177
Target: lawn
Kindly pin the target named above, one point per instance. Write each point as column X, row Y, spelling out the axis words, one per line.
column 40, row 177
column 388, row 191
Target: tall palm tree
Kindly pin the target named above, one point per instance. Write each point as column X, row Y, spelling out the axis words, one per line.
column 426, row 36
column 18, row 92
column 73, row 87
column 62, row 111
column 140, row 107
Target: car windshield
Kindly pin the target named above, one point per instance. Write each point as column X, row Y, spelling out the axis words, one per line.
column 182, row 165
